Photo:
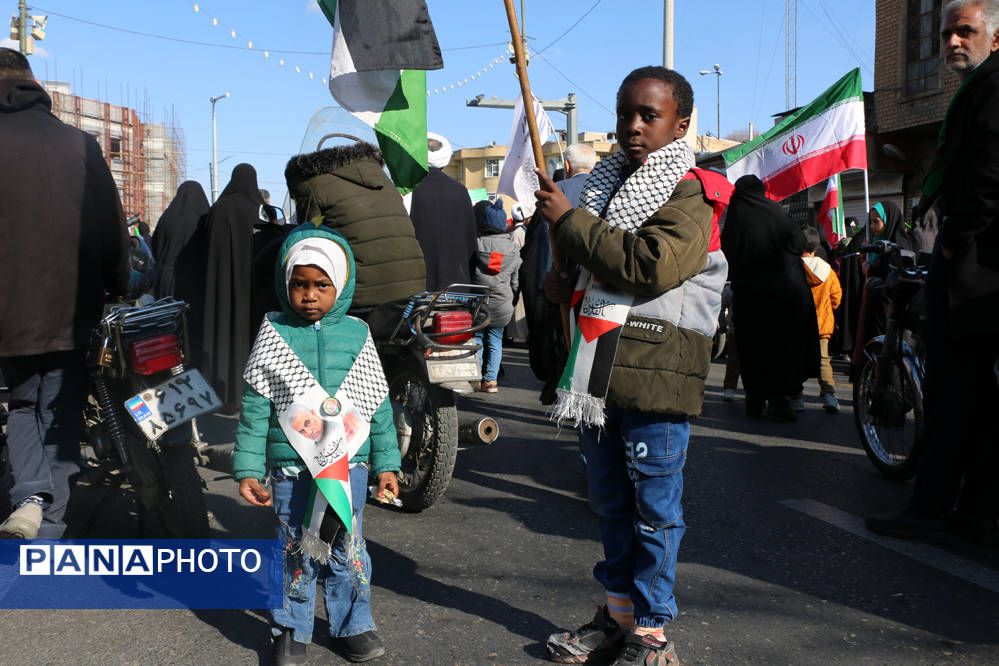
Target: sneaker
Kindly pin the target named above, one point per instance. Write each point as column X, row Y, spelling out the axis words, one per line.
column 289, row 652
column 361, row 647
column 830, row 403
column 597, row 640
column 23, row 523
column 797, row 403
column 647, row 651
column 489, row 386
column 728, row 395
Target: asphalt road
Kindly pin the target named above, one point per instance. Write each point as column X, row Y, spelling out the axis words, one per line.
column 775, row 567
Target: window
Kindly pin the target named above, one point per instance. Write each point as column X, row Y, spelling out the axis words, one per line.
column 922, row 46
column 116, row 146
column 492, row 168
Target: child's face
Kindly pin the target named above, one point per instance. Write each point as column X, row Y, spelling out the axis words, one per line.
column 647, row 119
column 311, row 292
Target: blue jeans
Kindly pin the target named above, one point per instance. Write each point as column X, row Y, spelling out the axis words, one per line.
column 635, row 472
column 47, row 394
column 492, row 351
column 348, row 601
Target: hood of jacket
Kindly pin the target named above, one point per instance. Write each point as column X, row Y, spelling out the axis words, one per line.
column 312, row 177
column 816, row 270
column 20, row 95
column 343, row 299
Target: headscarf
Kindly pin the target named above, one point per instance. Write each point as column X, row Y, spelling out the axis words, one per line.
column 244, row 183
column 321, row 252
column 174, row 231
column 895, row 229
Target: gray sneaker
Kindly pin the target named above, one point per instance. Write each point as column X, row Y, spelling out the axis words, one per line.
column 797, row 403
column 830, row 403
column 647, row 651
column 23, row 523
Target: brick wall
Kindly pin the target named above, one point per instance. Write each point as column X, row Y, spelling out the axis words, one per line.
column 895, row 111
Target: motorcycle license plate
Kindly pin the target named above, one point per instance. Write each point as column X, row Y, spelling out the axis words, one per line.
column 452, row 365
column 176, row 401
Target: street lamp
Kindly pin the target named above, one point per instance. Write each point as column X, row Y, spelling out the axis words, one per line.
column 718, row 72
column 215, row 157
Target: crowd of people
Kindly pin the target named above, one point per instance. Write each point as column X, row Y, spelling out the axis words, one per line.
column 634, row 251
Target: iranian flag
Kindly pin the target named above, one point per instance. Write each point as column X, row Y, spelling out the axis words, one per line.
column 831, row 212
column 816, row 142
column 380, row 51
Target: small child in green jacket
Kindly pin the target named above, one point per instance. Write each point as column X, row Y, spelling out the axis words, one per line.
column 316, row 414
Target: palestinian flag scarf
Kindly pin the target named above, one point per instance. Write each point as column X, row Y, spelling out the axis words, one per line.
column 325, row 431
column 625, row 202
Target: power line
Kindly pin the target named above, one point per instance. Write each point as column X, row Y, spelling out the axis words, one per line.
column 224, row 46
column 569, row 29
column 836, row 34
column 576, row 85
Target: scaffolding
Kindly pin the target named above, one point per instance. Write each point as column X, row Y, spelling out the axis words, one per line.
column 146, row 159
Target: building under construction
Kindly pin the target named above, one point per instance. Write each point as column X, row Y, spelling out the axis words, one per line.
column 146, row 159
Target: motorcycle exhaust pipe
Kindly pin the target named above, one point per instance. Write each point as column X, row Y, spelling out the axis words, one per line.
column 478, row 431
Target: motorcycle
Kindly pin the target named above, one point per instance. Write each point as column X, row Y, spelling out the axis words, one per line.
column 429, row 353
column 888, row 391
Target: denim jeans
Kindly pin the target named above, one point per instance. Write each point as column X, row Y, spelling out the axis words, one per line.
column 492, row 351
column 348, row 600
column 635, row 472
column 47, row 394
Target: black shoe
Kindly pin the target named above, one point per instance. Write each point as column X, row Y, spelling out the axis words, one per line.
column 983, row 531
column 647, row 651
column 597, row 640
column 782, row 410
column 360, row 647
column 909, row 524
column 289, row 652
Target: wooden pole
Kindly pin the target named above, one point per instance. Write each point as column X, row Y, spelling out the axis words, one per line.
column 532, row 126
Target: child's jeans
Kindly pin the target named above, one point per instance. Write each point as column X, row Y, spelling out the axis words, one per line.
column 827, row 385
column 347, row 599
column 491, row 353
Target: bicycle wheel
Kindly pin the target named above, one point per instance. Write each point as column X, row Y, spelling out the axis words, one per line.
column 890, row 433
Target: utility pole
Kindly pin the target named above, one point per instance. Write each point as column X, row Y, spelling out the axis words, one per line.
column 22, row 25
column 567, row 105
column 791, row 54
column 668, row 34
column 717, row 71
column 215, row 156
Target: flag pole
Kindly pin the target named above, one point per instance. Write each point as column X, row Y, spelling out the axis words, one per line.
column 867, row 203
column 532, row 126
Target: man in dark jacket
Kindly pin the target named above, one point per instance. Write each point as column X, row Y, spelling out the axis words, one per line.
column 962, row 448
column 443, row 220
column 54, row 271
column 346, row 189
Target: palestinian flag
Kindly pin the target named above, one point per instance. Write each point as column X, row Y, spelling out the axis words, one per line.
column 831, row 212
column 816, row 142
column 380, row 49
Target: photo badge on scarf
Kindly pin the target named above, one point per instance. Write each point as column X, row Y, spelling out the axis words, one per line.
column 326, row 431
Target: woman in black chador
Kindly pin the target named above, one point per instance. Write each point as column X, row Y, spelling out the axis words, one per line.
column 776, row 328
column 228, row 329
column 174, row 231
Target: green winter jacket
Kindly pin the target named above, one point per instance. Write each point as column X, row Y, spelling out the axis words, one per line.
column 347, row 187
column 674, row 266
column 328, row 348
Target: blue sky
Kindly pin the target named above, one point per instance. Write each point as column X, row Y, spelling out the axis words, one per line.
column 586, row 47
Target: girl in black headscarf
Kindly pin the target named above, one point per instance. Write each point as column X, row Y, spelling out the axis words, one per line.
column 227, row 329
column 174, row 230
column 776, row 328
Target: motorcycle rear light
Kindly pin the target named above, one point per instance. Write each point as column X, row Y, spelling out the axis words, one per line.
column 154, row 355
column 453, row 321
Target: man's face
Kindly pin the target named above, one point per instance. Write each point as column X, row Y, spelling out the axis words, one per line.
column 308, row 425
column 965, row 41
column 647, row 119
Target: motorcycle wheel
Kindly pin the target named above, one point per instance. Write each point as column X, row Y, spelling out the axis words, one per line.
column 894, row 449
column 433, row 447
column 181, row 503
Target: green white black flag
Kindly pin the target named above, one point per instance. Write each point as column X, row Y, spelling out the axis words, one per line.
column 380, row 49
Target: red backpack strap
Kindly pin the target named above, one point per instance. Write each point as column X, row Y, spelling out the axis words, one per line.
column 718, row 191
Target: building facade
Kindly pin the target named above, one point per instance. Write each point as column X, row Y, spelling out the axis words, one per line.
column 146, row 159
